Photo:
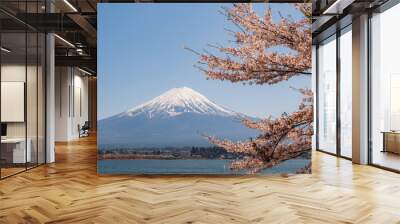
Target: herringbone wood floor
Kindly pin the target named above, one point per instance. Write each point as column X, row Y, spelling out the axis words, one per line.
column 70, row 191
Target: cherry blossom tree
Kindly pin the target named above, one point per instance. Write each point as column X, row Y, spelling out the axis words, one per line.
column 256, row 57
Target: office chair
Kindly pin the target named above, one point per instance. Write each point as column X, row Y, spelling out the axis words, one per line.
column 84, row 130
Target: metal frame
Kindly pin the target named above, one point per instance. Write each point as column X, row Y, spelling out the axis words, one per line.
column 389, row 4
column 316, row 98
column 338, row 74
column 26, row 89
column 369, row 98
column 338, row 34
column 44, row 74
column 317, row 95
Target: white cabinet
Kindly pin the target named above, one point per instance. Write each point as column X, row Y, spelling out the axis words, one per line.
column 19, row 154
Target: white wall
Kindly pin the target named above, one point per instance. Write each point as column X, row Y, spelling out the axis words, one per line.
column 81, row 108
column 9, row 73
column 17, row 73
column 33, row 126
column 71, row 102
column 62, row 82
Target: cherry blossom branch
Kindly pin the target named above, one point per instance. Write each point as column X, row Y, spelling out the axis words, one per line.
column 253, row 58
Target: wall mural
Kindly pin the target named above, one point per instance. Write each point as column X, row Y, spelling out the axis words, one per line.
column 204, row 88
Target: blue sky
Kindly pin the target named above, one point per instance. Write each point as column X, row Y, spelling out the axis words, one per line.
column 141, row 55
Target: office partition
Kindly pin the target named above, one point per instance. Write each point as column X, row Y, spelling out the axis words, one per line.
column 22, row 78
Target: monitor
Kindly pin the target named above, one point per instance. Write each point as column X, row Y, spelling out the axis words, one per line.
column 3, row 129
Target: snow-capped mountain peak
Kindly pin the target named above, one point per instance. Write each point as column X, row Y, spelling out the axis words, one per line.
column 177, row 101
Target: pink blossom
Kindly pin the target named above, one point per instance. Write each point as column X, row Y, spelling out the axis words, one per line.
column 253, row 59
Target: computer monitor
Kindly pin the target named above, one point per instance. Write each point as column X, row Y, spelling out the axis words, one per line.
column 3, row 129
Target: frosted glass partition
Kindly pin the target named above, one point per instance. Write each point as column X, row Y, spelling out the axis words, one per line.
column 385, row 85
column 346, row 92
column 327, row 95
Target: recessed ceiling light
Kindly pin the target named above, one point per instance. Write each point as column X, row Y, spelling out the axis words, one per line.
column 70, row 5
column 64, row 40
column 5, row 50
column 337, row 7
column 84, row 71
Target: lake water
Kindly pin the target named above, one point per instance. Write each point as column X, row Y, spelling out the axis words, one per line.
column 190, row 166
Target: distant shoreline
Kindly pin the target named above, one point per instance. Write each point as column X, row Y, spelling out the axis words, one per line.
column 194, row 154
column 169, row 154
column 153, row 157
column 125, row 158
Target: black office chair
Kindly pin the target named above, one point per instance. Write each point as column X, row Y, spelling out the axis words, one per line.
column 84, row 130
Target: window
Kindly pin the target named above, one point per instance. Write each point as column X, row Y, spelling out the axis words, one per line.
column 346, row 92
column 385, row 89
column 327, row 95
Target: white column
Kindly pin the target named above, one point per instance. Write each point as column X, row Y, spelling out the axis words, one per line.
column 50, row 99
column 50, row 91
column 360, row 90
column 314, row 89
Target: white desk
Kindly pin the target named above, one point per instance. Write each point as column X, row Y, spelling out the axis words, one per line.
column 391, row 141
column 20, row 155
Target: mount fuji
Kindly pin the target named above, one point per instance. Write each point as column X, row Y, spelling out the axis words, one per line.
column 177, row 118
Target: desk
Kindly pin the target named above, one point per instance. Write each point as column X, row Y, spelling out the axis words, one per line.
column 391, row 141
column 15, row 149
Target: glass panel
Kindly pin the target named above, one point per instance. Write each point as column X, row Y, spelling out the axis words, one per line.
column 31, row 97
column 327, row 95
column 41, row 99
column 31, row 87
column 346, row 92
column 13, row 76
column 385, row 87
column 22, row 90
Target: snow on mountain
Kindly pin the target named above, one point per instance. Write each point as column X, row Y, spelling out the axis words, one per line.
column 177, row 101
column 177, row 118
